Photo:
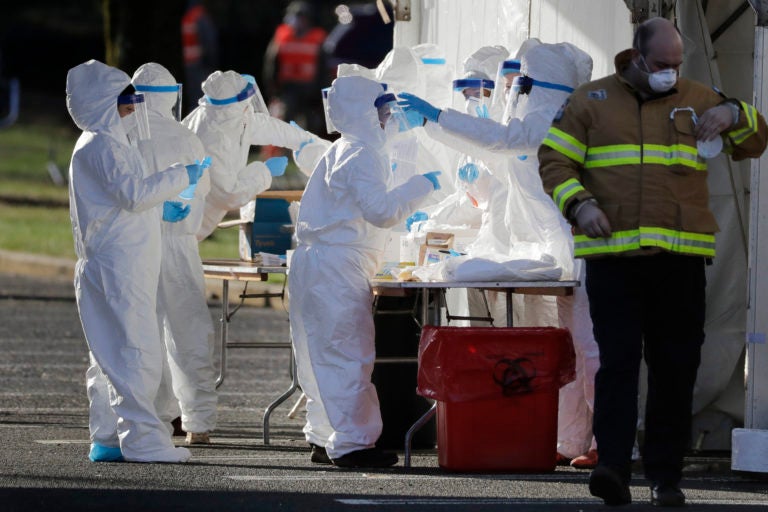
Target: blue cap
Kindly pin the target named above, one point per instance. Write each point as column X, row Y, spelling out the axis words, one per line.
column 510, row 66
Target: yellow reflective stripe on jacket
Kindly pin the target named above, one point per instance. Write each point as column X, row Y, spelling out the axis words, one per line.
column 608, row 156
column 742, row 134
column 681, row 242
column 676, row 154
column 565, row 144
column 631, row 154
column 565, row 191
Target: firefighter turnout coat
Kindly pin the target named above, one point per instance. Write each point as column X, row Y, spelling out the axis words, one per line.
column 639, row 160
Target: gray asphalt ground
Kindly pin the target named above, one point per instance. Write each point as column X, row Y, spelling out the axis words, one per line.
column 44, row 439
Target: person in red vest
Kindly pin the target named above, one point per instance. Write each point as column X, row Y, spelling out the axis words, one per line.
column 200, row 49
column 292, row 68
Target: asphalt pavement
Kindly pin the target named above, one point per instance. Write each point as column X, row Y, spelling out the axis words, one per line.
column 44, row 438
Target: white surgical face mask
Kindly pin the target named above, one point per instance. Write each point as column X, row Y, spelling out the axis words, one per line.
column 391, row 128
column 661, row 81
column 130, row 125
column 470, row 105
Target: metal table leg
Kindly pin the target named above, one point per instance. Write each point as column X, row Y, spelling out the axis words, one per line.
column 414, row 428
column 223, row 335
column 282, row 398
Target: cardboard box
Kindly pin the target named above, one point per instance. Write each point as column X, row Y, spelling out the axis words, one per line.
column 435, row 247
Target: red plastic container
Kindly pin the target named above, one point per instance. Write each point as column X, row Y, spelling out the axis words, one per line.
column 497, row 391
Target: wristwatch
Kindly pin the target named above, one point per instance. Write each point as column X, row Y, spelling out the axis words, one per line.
column 735, row 109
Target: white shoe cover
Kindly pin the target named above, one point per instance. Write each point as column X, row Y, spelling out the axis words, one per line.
column 168, row 455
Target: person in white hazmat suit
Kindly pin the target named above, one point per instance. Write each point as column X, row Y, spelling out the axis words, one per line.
column 341, row 229
column 114, row 207
column 185, row 321
column 549, row 73
column 227, row 124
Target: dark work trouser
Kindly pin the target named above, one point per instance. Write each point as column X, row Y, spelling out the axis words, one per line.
column 651, row 306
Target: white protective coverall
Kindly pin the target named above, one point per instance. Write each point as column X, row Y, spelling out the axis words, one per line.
column 228, row 131
column 529, row 118
column 116, row 227
column 185, row 321
column 341, row 230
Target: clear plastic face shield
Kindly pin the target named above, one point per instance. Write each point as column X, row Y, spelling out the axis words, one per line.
column 329, row 127
column 473, row 96
column 166, row 89
column 133, row 112
column 257, row 100
column 392, row 118
column 506, row 73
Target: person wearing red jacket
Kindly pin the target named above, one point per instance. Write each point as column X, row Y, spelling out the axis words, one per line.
column 292, row 67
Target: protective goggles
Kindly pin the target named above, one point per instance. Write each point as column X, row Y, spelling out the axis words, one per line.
column 524, row 84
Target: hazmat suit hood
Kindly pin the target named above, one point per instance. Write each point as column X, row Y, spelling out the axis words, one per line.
column 436, row 72
column 563, row 64
column 155, row 74
column 92, row 91
column 229, row 117
column 351, row 109
column 484, row 63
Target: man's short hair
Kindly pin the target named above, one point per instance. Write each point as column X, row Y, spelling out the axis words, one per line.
column 645, row 31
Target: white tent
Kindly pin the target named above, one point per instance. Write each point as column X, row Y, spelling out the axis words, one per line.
column 724, row 42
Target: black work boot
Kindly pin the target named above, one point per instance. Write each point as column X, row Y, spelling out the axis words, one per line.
column 367, row 458
column 606, row 483
column 319, row 456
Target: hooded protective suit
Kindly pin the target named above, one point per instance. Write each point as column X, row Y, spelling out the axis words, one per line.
column 341, row 230
column 116, row 228
column 228, row 126
column 185, row 321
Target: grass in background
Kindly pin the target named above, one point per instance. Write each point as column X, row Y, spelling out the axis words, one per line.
column 34, row 217
column 48, row 231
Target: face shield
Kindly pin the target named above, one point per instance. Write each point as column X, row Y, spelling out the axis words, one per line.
column 473, row 96
column 392, row 117
column 257, row 100
column 133, row 112
column 165, row 89
column 329, row 127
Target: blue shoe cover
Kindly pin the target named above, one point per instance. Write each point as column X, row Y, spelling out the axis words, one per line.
column 101, row 453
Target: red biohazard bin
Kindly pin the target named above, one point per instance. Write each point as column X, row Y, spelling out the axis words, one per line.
column 497, row 394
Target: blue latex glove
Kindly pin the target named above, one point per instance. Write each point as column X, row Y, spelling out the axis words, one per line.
column 432, row 176
column 413, row 119
column 298, row 151
column 469, row 172
column 194, row 171
column 410, row 103
column 189, row 192
column 277, row 165
column 416, row 217
column 174, row 211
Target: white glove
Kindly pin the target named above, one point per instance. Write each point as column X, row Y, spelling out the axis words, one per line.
column 591, row 219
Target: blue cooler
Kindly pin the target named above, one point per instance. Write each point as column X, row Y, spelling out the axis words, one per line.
column 271, row 230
